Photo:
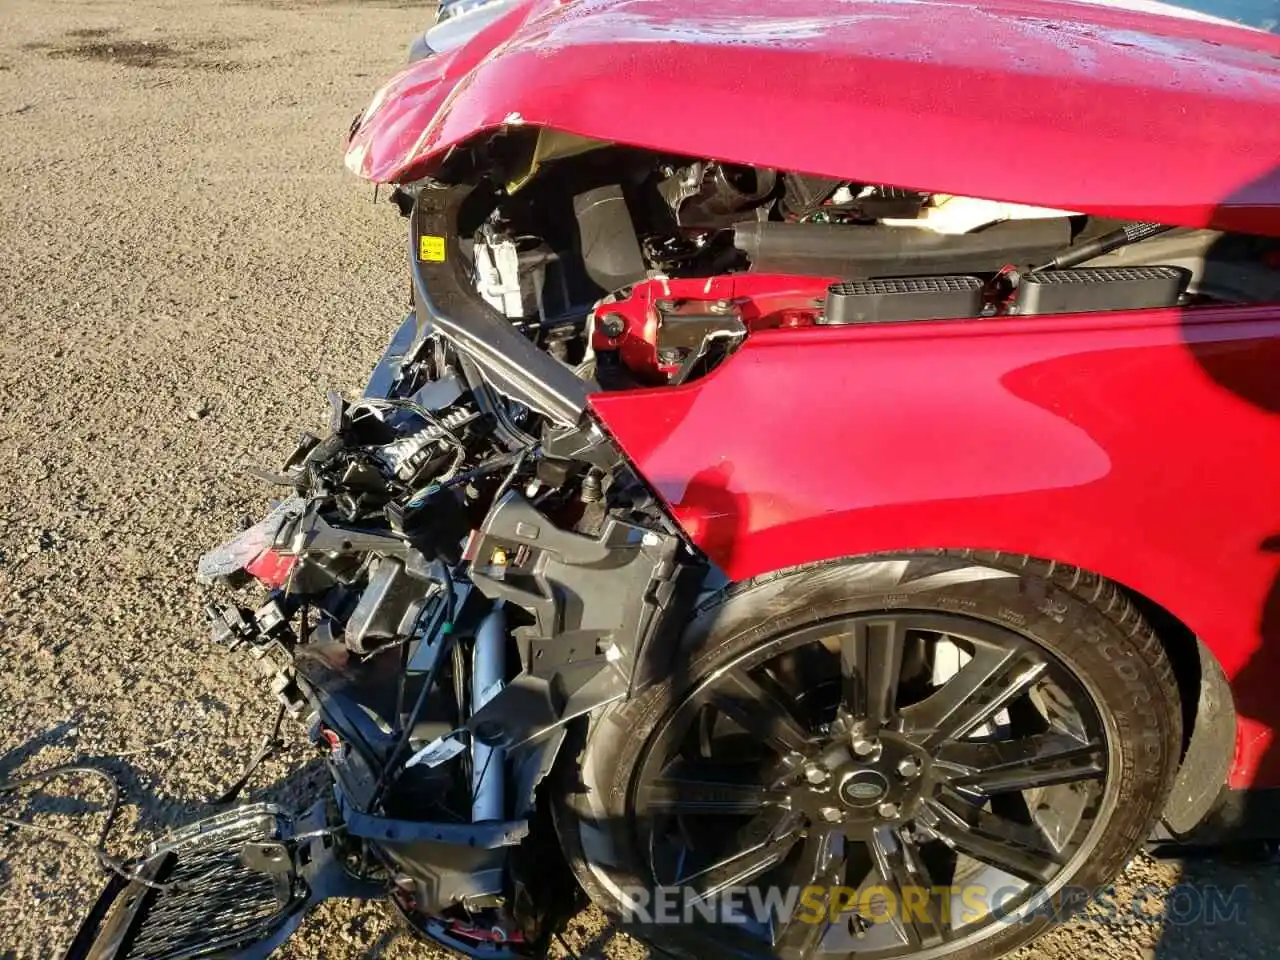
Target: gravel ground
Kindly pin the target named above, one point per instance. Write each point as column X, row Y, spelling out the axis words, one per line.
column 186, row 268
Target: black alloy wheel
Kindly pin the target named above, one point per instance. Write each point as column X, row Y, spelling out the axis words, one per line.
column 912, row 757
column 810, row 762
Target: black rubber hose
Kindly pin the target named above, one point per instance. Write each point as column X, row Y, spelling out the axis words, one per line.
column 1129, row 233
column 873, row 250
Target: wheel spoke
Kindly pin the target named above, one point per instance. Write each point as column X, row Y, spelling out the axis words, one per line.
column 692, row 794
column 765, row 842
column 1016, row 848
column 733, row 787
column 870, row 667
column 992, row 679
column 1008, row 766
column 822, row 864
column 754, row 708
column 919, row 917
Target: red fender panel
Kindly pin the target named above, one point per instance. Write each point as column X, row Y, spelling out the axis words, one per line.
column 1142, row 445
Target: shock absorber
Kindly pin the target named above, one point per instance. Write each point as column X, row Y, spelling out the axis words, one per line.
column 488, row 668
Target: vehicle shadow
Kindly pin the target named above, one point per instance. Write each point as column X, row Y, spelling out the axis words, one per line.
column 1246, row 882
column 1228, row 899
column 156, row 812
column 11, row 764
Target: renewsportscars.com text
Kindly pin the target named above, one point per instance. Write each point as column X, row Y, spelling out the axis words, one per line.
column 1184, row 904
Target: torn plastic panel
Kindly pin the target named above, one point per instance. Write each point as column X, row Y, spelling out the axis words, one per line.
column 606, row 611
column 237, row 554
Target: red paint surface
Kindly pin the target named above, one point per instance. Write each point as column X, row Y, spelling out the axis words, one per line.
column 1077, row 106
column 272, row 568
column 761, row 301
column 1144, row 446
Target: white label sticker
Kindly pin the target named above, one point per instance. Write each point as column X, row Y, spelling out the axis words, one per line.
column 436, row 752
column 491, row 691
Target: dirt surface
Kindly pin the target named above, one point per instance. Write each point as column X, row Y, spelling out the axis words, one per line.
column 186, row 268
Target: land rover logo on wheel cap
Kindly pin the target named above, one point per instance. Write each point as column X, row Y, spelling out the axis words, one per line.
column 863, row 787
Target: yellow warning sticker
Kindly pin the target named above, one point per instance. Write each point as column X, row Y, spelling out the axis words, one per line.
column 431, row 249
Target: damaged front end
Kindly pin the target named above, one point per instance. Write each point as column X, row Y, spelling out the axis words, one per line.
column 467, row 569
column 464, row 565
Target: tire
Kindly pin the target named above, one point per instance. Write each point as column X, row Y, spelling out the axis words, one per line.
column 1086, row 629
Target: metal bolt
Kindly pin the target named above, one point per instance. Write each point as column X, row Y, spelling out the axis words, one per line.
column 830, row 814
column 592, row 490
column 612, row 325
column 909, row 768
column 888, row 810
column 865, row 748
column 815, row 774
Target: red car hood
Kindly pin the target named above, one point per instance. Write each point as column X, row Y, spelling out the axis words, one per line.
column 1072, row 105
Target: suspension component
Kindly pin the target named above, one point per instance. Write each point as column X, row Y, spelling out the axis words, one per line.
column 406, row 456
column 488, row 670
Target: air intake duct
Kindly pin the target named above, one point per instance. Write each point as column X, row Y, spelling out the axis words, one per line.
column 1086, row 289
column 903, row 298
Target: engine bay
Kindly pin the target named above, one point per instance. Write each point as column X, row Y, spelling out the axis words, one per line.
column 638, row 269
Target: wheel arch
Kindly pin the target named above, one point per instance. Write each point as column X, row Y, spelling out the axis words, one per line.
column 1208, row 719
column 596, row 781
column 1045, row 440
column 1206, row 701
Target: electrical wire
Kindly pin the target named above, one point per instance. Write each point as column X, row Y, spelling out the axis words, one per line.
column 459, row 698
column 475, row 792
column 432, row 418
column 404, row 669
column 420, row 496
column 374, row 405
column 270, row 744
column 509, row 479
column 391, row 768
column 96, row 846
column 565, row 943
